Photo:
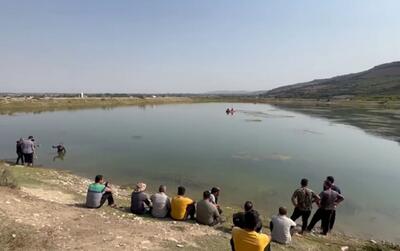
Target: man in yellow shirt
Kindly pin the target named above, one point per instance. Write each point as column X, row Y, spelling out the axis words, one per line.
column 182, row 207
column 248, row 239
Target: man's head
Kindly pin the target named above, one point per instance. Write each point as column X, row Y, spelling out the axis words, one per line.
column 248, row 205
column 282, row 211
column 215, row 191
column 330, row 179
column 250, row 220
column 162, row 189
column 181, row 190
column 140, row 187
column 304, row 182
column 99, row 178
column 206, row 195
column 31, row 138
column 327, row 185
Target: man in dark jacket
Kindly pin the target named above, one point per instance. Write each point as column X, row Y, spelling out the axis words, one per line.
column 20, row 154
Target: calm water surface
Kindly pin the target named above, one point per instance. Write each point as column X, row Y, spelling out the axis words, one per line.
column 258, row 154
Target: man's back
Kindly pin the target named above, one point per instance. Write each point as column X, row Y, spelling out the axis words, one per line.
column 94, row 194
column 207, row 213
column 281, row 229
column 138, row 200
column 244, row 240
column 304, row 198
column 161, row 205
column 27, row 146
column 178, row 207
column 238, row 220
column 329, row 198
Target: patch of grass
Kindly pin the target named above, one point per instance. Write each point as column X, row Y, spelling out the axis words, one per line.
column 7, row 179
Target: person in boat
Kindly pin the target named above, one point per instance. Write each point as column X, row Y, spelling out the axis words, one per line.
column 228, row 111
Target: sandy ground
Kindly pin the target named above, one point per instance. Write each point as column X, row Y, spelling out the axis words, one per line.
column 45, row 211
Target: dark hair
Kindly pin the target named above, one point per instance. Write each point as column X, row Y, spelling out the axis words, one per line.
column 181, row 190
column 250, row 220
column 282, row 211
column 304, row 182
column 327, row 184
column 162, row 188
column 248, row 205
column 30, row 137
column 215, row 190
column 98, row 178
column 206, row 194
column 331, row 179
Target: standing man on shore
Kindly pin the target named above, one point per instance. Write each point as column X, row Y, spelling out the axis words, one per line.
column 329, row 200
column 20, row 154
column 337, row 189
column 28, row 149
column 302, row 199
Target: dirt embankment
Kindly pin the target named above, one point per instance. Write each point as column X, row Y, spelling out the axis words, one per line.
column 42, row 209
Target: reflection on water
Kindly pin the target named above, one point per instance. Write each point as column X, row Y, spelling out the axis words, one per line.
column 199, row 146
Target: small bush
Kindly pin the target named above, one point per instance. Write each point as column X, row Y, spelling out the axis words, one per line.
column 7, row 179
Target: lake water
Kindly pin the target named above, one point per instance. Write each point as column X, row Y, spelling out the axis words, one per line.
column 258, row 154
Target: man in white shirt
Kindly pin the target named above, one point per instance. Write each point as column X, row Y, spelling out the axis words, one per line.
column 282, row 227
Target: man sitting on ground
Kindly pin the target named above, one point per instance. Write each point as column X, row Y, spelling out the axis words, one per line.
column 140, row 201
column 161, row 203
column 238, row 218
column 282, row 227
column 214, row 198
column 248, row 239
column 302, row 200
column 206, row 212
column 182, row 207
column 98, row 193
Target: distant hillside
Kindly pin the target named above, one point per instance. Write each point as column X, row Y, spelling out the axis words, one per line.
column 382, row 80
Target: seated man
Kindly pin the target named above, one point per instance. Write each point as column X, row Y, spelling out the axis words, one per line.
column 182, row 207
column 161, row 203
column 238, row 218
column 247, row 239
column 206, row 212
column 140, row 201
column 282, row 227
column 214, row 197
column 98, row 193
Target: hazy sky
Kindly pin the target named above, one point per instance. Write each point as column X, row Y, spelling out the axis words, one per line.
column 189, row 46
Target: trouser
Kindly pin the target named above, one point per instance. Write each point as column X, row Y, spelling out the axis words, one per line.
column 325, row 217
column 20, row 157
column 28, row 157
column 107, row 196
column 190, row 212
column 305, row 214
column 267, row 248
column 332, row 221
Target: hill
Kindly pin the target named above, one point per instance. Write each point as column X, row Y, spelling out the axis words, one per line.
column 381, row 80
